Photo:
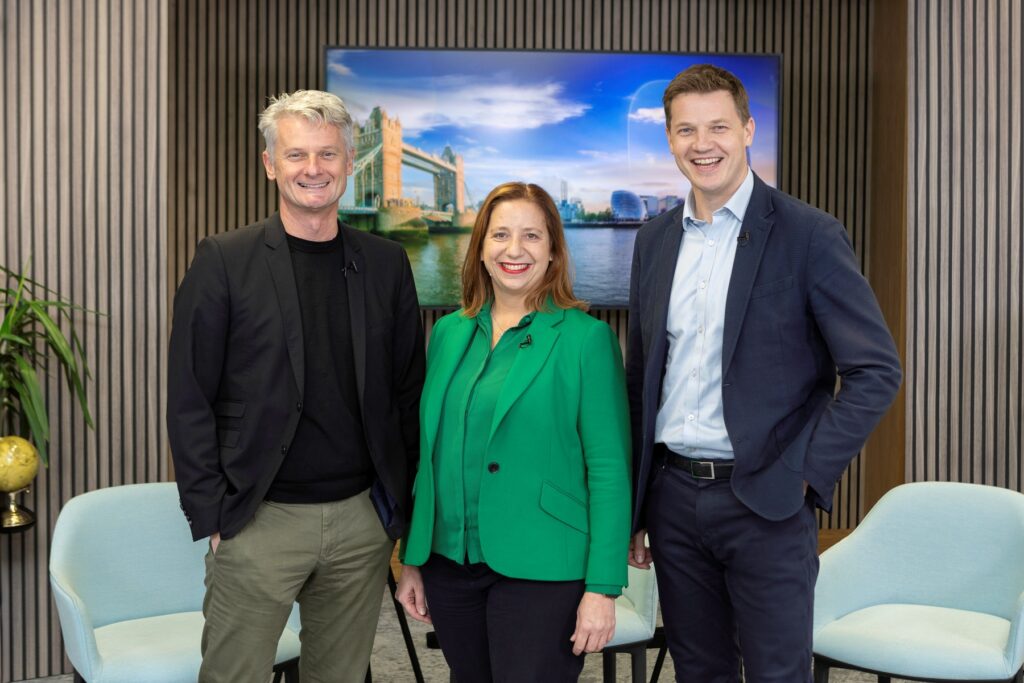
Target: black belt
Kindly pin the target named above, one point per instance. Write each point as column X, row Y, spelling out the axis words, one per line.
column 698, row 469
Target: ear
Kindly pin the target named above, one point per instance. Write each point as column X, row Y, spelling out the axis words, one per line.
column 268, row 166
column 748, row 129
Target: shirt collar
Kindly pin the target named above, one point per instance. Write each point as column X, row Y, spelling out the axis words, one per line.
column 737, row 204
column 483, row 318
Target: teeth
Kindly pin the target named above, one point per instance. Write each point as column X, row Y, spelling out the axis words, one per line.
column 706, row 162
column 310, row 186
column 515, row 267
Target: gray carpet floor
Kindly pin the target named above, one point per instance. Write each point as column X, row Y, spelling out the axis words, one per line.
column 390, row 662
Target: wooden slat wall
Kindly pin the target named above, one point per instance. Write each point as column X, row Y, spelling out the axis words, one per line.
column 83, row 199
column 228, row 57
column 965, row 246
column 127, row 111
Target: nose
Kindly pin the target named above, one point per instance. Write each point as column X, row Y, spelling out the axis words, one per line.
column 703, row 139
column 515, row 246
column 312, row 164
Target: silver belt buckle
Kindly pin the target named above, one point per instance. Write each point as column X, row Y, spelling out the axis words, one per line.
column 710, row 464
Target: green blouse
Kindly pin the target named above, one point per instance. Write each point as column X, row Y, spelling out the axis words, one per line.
column 459, row 455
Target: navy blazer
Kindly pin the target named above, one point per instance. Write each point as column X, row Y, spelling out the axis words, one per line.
column 236, row 370
column 798, row 313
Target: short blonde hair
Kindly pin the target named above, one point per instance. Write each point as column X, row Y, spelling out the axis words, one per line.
column 316, row 106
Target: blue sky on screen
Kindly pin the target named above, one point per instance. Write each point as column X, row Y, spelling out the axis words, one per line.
column 594, row 120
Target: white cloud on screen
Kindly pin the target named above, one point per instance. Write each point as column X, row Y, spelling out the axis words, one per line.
column 648, row 115
column 339, row 69
column 468, row 102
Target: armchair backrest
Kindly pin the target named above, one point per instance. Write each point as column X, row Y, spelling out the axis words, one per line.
column 943, row 544
column 126, row 552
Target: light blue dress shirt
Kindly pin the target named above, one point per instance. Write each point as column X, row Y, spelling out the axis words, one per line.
column 690, row 420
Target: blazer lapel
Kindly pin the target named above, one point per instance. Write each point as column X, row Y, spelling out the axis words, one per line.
column 354, row 284
column 279, row 260
column 757, row 225
column 441, row 368
column 529, row 360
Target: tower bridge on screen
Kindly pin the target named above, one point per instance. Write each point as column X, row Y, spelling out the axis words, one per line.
column 377, row 173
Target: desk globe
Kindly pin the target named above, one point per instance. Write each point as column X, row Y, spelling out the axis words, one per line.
column 19, row 462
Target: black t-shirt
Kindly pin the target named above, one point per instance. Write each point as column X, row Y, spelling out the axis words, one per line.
column 328, row 458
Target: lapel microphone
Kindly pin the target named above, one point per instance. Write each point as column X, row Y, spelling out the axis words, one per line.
column 526, row 342
column 744, row 238
column 351, row 266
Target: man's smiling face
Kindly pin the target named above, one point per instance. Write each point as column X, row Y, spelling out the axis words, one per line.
column 310, row 164
column 709, row 143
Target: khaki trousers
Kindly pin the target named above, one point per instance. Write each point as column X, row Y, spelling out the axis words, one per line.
column 331, row 558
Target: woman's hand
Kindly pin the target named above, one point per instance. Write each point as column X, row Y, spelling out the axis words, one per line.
column 410, row 594
column 595, row 623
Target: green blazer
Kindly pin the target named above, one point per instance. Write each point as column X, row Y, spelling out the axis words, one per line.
column 555, row 494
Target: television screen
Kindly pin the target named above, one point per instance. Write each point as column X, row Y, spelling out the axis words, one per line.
column 436, row 130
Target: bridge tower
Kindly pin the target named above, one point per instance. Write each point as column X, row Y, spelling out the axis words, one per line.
column 449, row 187
column 378, row 174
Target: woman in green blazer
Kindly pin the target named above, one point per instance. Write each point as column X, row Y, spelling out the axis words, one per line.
column 520, row 521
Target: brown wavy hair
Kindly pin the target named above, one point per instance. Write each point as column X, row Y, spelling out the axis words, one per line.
column 557, row 283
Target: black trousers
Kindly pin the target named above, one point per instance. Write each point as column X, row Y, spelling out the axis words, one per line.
column 732, row 585
column 495, row 628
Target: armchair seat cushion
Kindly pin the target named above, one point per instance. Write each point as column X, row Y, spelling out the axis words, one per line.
column 630, row 626
column 920, row 641
column 162, row 649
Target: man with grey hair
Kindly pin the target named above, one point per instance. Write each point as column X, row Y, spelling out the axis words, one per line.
column 294, row 372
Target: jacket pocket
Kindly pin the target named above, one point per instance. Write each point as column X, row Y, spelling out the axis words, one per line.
column 563, row 507
column 229, row 409
column 769, row 288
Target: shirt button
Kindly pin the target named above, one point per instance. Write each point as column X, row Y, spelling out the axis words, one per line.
column 493, row 467
column 690, row 417
column 703, row 284
column 700, row 330
column 711, row 243
column 693, row 373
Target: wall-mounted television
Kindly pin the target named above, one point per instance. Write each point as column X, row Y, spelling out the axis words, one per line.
column 436, row 130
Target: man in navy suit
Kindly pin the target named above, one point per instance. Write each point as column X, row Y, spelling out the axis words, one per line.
column 745, row 306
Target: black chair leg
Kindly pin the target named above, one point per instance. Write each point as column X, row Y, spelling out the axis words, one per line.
column 638, row 657
column 820, row 672
column 659, row 662
column 608, row 664
column 78, row 678
column 884, row 679
column 291, row 673
column 403, row 623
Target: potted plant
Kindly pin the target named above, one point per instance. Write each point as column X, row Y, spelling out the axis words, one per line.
column 29, row 336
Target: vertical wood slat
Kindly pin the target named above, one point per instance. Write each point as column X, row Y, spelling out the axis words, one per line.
column 965, row 257
column 83, row 200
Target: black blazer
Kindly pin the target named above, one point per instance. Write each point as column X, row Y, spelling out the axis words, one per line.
column 798, row 312
column 236, row 367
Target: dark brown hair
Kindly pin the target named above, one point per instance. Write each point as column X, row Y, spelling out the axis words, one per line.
column 557, row 283
column 706, row 78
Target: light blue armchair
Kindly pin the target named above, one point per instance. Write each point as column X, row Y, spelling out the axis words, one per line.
column 930, row 587
column 636, row 617
column 128, row 583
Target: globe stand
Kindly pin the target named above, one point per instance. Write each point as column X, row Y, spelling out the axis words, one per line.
column 15, row 518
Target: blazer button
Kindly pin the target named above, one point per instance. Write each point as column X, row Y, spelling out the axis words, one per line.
column 284, row 448
column 298, row 406
column 493, row 467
